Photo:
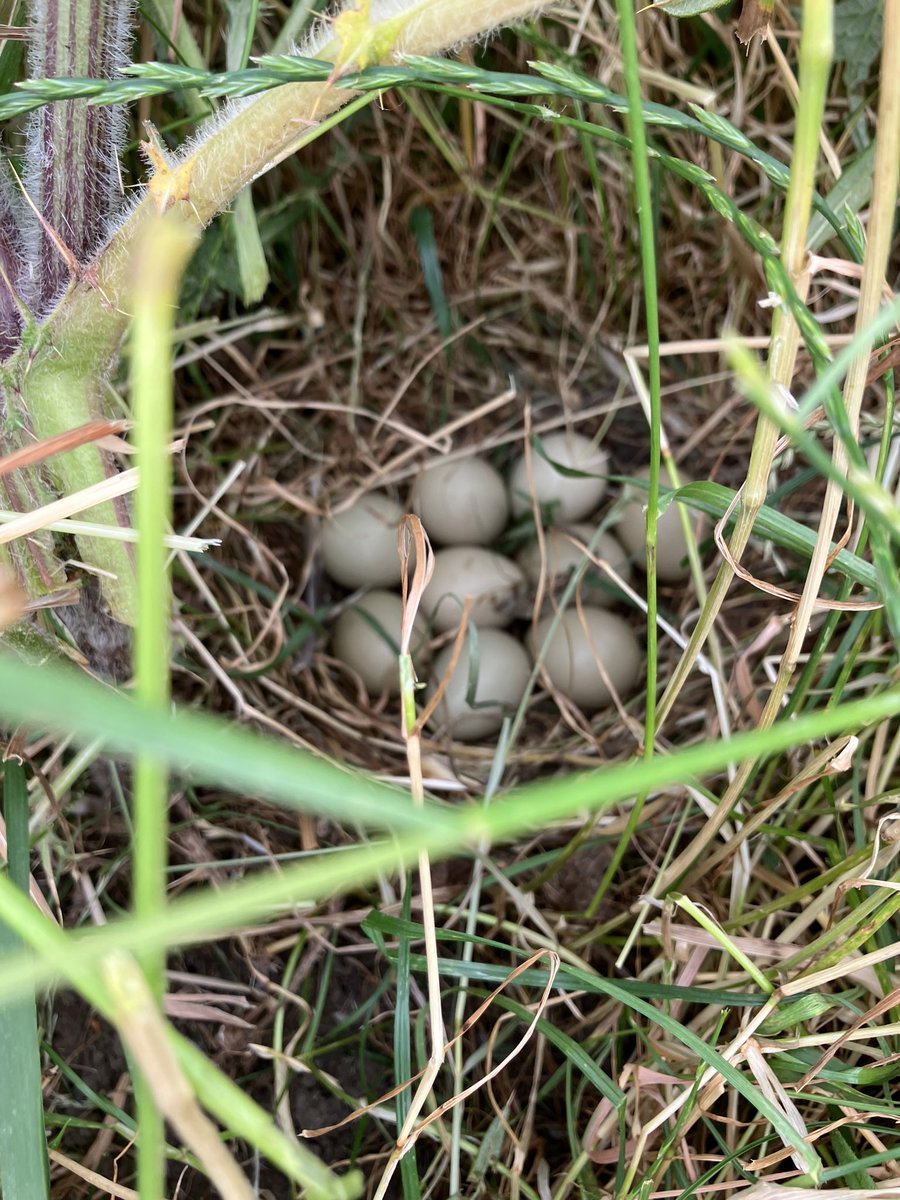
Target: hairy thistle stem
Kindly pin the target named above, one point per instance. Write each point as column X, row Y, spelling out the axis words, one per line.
column 72, row 152
column 60, row 382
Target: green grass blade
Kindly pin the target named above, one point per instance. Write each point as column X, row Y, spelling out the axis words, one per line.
column 235, row 1110
column 715, row 499
column 644, row 203
column 236, row 758
column 711, row 1057
column 403, row 1055
column 212, row 750
column 422, row 225
column 23, row 1145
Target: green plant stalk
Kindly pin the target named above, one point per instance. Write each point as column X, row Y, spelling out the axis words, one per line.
column 159, row 261
column 644, row 201
column 815, row 57
column 801, row 688
column 878, row 245
column 10, row 257
column 71, row 148
column 816, row 47
column 252, row 267
column 878, row 504
column 34, row 563
column 23, row 1144
column 711, row 926
column 59, row 383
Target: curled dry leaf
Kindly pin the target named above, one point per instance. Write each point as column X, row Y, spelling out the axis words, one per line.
column 414, row 547
column 821, row 605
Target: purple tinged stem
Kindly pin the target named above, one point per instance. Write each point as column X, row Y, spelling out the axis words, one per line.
column 72, row 181
column 72, row 156
column 10, row 267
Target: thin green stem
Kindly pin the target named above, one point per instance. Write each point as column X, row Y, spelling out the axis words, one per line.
column 159, row 262
column 815, row 59
column 23, row 1146
column 644, row 201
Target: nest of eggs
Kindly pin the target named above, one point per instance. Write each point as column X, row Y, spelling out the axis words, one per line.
column 540, row 576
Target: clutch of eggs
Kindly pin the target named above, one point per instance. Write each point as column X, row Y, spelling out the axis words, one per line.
column 464, row 505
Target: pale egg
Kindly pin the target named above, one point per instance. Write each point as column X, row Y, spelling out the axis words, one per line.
column 562, row 556
column 460, row 571
column 671, row 550
column 574, row 650
column 563, row 497
column 366, row 637
column 359, row 545
column 495, row 683
column 461, row 502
